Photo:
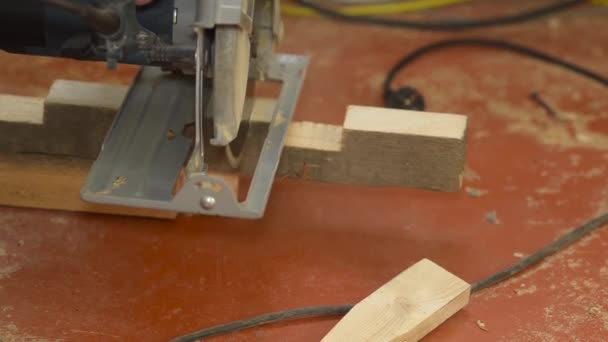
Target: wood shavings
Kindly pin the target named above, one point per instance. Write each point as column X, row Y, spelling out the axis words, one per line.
column 59, row 220
column 550, row 133
column 524, row 291
column 547, row 191
column 604, row 271
column 118, row 182
column 575, row 159
column 595, row 310
column 5, row 272
column 481, row 325
column 10, row 333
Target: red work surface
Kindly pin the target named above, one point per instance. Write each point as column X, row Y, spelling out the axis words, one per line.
column 80, row 277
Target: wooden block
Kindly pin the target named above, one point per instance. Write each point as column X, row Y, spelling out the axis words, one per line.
column 21, row 119
column 392, row 147
column 52, row 182
column 73, row 120
column 375, row 147
column 77, row 116
column 406, row 308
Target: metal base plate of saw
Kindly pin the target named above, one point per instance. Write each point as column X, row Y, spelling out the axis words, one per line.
column 149, row 161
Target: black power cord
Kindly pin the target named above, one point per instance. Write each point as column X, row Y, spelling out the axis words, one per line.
column 275, row 317
column 341, row 310
column 410, row 98
column 444, row 25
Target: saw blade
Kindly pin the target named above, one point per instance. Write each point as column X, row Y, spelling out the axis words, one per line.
column 231, row 88
column 235, row 149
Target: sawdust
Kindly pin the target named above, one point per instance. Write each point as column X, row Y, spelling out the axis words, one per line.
column 542, row 336
column 548, row 311
column 534, row 222
column 604, row 271
column 555, row 260
column 575, row 159
column 470, row 174
column 547, row 264
column 547, row 191
column 602, row 205
column 376, row 80
column 480, row 135
column 7, row 271
column 10, row 333
column 574, row 263
column 590, row 284
column 594, row 172
column 558, row 180
column 570, row 323
column 525, row 291
column 583, row 242
column 532, row 202
column 7, row 220
column 572, row 129
column 118, row 182
column 598, row 312
column 586, row 301
column 94, row 333
column 173, row 313
column 574, row 132
column 59, row 220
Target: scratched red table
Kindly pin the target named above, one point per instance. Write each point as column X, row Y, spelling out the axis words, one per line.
column 84, row 277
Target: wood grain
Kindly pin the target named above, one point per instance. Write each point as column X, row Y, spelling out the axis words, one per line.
column 375, row 147
column 406, row 308
column 72, row 120
column 53, row 182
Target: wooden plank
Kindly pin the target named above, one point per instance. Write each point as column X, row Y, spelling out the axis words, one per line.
column 391, row 147
column 52, row 182
column 21, row 119
column 72, row 121
column 406, row 308
column 77, row 116
column 21, row 109
column 375, row 147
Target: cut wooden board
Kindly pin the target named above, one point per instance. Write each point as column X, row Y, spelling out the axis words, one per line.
column 374, row 147
column 73, row 120
column 406, row 308
column 52, row 182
